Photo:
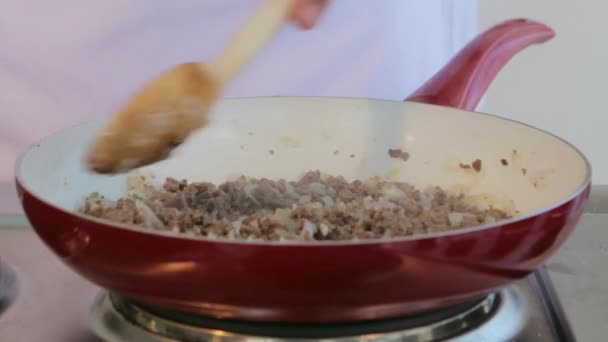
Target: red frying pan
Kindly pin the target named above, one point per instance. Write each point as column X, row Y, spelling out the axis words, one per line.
column 547, row 180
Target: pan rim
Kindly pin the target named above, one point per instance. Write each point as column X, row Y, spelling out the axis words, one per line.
column 585, row 183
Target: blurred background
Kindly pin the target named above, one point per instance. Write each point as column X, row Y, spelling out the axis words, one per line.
column 559, row 86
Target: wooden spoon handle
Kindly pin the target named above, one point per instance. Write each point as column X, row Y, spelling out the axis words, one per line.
column 250, row 39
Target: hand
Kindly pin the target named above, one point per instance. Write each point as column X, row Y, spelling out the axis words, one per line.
column 306, row 13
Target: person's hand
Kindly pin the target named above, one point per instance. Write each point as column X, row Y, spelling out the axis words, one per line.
column 305, row 13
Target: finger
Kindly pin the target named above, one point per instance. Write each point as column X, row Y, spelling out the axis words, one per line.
column 305, row 13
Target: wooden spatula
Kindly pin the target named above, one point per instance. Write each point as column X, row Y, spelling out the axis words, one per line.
column 162, row 114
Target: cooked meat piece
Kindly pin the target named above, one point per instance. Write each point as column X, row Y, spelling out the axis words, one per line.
column 399, row 154
column 316, row 207
column 476, row 165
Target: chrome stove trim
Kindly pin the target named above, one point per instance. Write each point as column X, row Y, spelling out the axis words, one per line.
column 9, row 286
column 552, row 306
column 497, row 318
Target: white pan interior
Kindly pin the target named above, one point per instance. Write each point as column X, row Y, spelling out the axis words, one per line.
column 339, row 136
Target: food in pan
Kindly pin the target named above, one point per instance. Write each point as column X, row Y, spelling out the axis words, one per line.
column 316, row 207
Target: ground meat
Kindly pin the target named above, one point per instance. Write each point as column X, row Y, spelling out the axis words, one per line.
column 476, row 165
column 123, row 211
column 399, row 154
column 317, row 207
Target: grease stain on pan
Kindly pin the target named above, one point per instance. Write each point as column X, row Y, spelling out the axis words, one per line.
column 475, row 178
column 540, row 179
column 487, row 200
column 393, row 174
column 363, row 165
column 516, row 162
column 289, row 141
column 475, row 173
column 482, row 200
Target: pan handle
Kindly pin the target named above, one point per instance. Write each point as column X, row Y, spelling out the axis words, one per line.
column 464, row 80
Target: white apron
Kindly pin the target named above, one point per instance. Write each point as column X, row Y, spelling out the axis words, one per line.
column 67, row 61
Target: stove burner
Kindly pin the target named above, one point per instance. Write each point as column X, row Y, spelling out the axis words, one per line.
column 115, row 318
column 8, row 286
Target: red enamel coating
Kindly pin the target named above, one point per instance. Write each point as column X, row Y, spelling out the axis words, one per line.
column 464, row 80
column 302, row 283
column 323, row 282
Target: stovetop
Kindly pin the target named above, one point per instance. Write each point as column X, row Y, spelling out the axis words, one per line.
column 55, row 304
column 525, row 311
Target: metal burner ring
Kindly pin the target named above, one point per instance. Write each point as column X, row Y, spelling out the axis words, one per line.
column 118, row 319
